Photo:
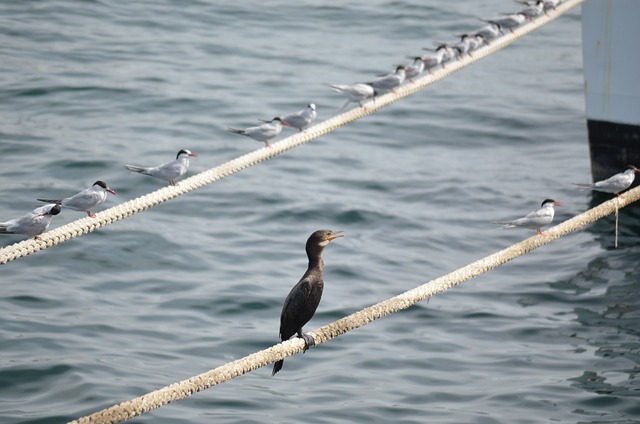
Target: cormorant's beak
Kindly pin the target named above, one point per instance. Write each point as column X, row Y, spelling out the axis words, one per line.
column 334, row 235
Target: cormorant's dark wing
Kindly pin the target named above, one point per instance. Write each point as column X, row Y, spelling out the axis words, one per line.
column 299, row 307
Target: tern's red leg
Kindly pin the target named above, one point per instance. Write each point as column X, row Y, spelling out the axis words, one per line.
column 91, row 215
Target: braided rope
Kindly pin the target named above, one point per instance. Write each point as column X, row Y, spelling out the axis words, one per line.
column 231, row 370
column 126, row 209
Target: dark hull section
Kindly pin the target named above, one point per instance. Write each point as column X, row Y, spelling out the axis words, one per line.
column 612, row 147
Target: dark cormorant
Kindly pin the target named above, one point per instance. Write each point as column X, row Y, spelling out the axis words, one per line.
column 304, row 297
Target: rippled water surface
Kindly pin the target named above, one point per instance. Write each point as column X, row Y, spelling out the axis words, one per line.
column 87, row 86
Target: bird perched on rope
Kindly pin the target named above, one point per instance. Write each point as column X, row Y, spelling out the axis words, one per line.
column 533, row 9
column 551, row 4
column 263, row 132
column 508, row 21
column 356, row 93
column 536, row 219
column 391, row 81
column 32, row 224
column 616, row 184
column 476, row 41
column 304, row 297
column 415, row 68
column 489, row 32
column 464, row 45
column 169, row 171
column 86, row 200
column 301, row 118
column 441, row 54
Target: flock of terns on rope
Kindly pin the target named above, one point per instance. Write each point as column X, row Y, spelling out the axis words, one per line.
column 303, row 299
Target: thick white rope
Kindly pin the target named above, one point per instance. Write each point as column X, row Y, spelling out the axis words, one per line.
column 126, row 209
column 231, row 370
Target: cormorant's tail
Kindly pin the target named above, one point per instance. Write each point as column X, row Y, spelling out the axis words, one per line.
column 277, row 367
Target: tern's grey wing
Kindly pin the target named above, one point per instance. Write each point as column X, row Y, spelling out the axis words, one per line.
column 383, row 82
column 259, row 133
column 30, row 225
column 359, row 92
column 83, row 201
column 296, row 119
column 615, row 184
column 35, row 225
column 267, row 131
column 537, row 219
column 7, row 227
column 169, row 171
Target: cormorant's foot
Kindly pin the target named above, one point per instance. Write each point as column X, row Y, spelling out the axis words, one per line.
column 308, row 341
